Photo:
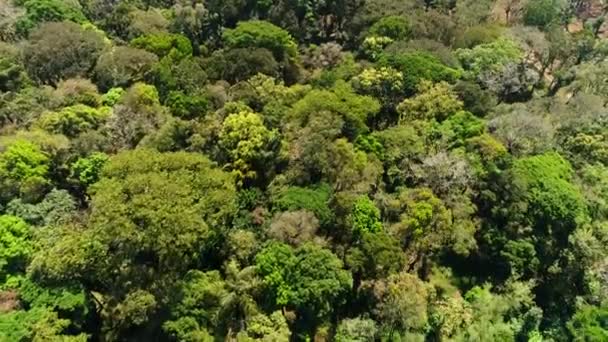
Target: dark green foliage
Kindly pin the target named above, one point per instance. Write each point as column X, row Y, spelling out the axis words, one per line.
column 49, row 60
column 315, row 200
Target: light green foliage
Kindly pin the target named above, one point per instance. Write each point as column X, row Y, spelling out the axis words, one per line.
column 309, row 278
column 164, row 44
column 112, row 96
column 38, row 324
column 267, row 328
column 588, row 79
column 87, row 170
column 341, row 99
column 74, row 120
column 356, row 330
column 247, row 142
column 146, row 206
column 544, row 182
column 40, row 11
column 492, row 314
column 23, row 169
column 394, row 27
column 49, row 60
column 417, row 66
column 261, row 34
column 489, row 57
column 589, row 323
column 385, row 83
column 434, row 101
column 15, row 246
column 365, row 217
column 373, row 46
column 461, row 127
column 122, row 66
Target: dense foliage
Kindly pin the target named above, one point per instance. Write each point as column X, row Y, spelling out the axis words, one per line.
column 363, row 170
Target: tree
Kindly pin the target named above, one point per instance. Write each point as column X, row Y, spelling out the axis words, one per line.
column 48, row 61
column 12, row 71
column 240, row 64
column 489, row 57
column 402, row 304
column 133, row 225
column 40, row 11
column 394, row 27
column 341, row 99
column 137, row 114
column 365, row 217
column 56, row 208
column 75, row 91
column 436, row 101
column 310, row 278
column 74, row 120
column 417, row 66
column 16, row 246
column 164, row 44
column 248, row 144
column 356, row 330
column 261, row 34
column 589, row 324
column 123, row 66
column 315, row 200
column 542, row 13
column 23, row 170
column 294, row 227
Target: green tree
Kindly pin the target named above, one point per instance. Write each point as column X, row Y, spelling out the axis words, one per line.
column 589, row 324
column 24, row 170
column 122, row 66
column 261, row 34
column 41, row 11
column 248, row 144
column 542, row 13
column 434, row 101
column 74, row 120
column 310, row 278
column 49, row 61
column 153, row 214
column 417, row 66
column 17, row 246
column 365, row 217
column 394, row 27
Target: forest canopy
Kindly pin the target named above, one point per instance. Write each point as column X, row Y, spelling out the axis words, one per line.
column 337, row 170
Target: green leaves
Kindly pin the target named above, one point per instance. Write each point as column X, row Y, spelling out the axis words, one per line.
column 262, row 34
column 15, row 246
column 310, row 278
